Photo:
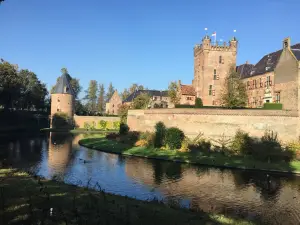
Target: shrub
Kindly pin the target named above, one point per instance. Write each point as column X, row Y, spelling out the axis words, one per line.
column 62, row 120
column 275, row 106
column 198, row 103
column 112, row 136
column 141, row 143
column 184, row 106
column 86, row 125
column 200, row 144
column 160, row 133
column 295, row 148
column 116, row 125
column 103, row 124
column 148, row 137
column 185, row 145
column 269, row 148
column 123, row 129
column 174, row 138
column 241, row 143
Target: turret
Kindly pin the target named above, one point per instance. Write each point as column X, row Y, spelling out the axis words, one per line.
column 62, row 99
column 233, row 44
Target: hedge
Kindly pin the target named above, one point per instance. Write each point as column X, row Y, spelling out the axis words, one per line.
column 276, row 106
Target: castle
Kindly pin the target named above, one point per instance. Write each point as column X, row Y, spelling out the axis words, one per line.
column 212, row 62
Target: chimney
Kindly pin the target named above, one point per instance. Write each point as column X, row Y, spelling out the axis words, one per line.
column 179, row 82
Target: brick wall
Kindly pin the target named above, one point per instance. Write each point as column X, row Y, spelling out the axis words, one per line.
column 215, row 122
column 80, row 120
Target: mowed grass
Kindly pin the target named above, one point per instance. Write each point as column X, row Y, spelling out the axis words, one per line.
column 204, row 158
column 26, row 199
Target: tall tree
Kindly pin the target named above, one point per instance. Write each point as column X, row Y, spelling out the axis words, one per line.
column 110, row 91
column 135, row 87
column 173, row 93
column 10, row 84
column 73, row 81
column 125, row 94
column 101, row 100
column 91, row 96
column 234, row 93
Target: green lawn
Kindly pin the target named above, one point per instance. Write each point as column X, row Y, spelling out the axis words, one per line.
column 25, row 199
column 205, row 158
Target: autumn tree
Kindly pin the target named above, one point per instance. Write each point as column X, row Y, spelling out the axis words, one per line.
column 91, row 97
column 101, row 101
column 173, row 93
column 234, row 93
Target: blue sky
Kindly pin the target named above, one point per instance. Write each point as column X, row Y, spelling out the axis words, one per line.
column 128, row 41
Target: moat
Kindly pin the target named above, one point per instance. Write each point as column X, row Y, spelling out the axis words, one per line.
column 272, row 198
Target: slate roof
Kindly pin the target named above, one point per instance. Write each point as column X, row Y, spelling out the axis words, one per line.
column 187, row 90
column 296, row 52
column 265, row 64
column 63, row 86
column 151, row 93
column 244, row 70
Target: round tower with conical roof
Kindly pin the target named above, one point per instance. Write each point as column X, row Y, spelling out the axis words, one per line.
column 63, row 98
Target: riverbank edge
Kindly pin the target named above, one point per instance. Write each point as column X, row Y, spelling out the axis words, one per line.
column 14, row 175
column 296, row 172
column 77, row 131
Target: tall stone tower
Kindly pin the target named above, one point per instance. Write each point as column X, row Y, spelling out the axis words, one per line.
column 212, row 62
column 62, row 99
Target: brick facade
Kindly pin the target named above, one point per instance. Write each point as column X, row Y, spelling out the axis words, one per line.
column 112, row 106
column 214, row 122
column 212, row 62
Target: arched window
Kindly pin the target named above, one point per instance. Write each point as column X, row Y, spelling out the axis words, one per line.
column 220, row 59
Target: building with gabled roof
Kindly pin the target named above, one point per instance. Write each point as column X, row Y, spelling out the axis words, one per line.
column 113, row 104
column 259, row 78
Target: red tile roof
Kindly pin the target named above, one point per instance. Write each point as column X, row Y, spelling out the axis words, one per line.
column 187, row 90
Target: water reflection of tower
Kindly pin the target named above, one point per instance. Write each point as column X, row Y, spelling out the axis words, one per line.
column 60, row 147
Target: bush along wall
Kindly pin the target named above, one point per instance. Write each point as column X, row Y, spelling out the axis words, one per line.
column 102, row 125
column 62, row 121
column 274, row 106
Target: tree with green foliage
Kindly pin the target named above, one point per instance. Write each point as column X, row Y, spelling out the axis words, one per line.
column 10, row 84
column 110, row 91
column 32, row 92
column 125, row 94
column 101, row 101
column 141, row 101
column 80, row 109
column 91, row 97
column 198, row 103
column 234, row 93
column 173, row 93
column 73, row 81
column 135, row 87
column 122, row 112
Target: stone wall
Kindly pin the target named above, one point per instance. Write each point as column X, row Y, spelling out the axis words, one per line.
column 217, row 122
column 80, row 120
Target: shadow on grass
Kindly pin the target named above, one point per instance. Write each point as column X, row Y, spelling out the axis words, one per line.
column 50, row 202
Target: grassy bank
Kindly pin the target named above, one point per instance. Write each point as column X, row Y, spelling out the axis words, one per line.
column 204, row 158
column 26, row 199
column 78, row 131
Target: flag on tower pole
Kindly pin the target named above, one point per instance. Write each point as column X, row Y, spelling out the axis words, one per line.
column 214, row 34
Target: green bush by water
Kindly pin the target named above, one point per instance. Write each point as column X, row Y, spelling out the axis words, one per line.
column 174, row 138
column 62, row 121
column 160, row 133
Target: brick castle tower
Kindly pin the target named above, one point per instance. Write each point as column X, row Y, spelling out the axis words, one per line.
column 212, row 62
column 62, row 99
